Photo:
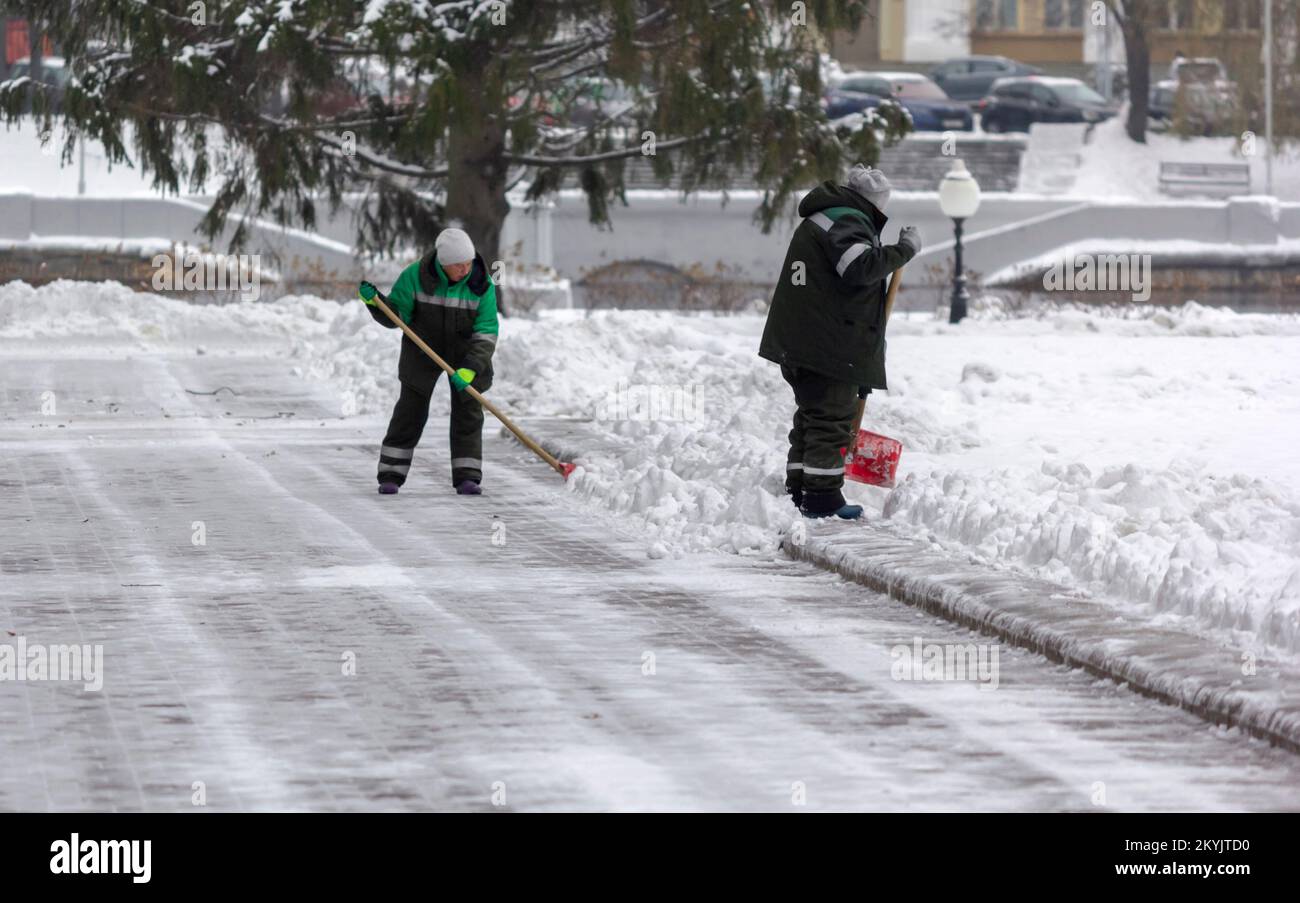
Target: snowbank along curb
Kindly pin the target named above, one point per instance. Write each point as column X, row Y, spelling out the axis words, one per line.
column 1173, row 666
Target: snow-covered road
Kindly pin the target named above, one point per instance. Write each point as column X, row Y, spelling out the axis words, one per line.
column 230, row 554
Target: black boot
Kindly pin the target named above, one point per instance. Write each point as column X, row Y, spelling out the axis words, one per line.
column 824, row 504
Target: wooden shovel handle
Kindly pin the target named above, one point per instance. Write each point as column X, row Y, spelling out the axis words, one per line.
column 473, row 393
column 889, row 308
column 892, row 293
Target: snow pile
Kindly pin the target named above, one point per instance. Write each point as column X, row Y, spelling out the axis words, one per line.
column 1115, row 167
column 110, row 311
column 1219, row 549
column 141, row 247
column 1128, row 320
column 1170, row 253
column 692, row 424
column 1145, row 455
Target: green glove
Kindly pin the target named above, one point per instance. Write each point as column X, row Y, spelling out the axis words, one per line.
column 367, row 293
column 462, row 378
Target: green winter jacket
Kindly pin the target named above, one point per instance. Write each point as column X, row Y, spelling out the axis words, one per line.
column 457, row 319
column 828, row 309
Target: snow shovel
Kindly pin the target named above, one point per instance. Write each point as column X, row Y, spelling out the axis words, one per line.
column 874, row 458
column 563, row 468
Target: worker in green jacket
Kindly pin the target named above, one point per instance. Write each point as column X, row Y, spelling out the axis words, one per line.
column 826, row 328
column 449, row 301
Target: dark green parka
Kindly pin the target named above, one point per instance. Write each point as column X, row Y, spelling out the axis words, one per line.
column 828, row 309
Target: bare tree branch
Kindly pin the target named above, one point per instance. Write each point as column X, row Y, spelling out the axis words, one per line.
column 622, row 153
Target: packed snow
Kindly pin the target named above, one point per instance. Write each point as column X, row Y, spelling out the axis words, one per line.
column 1113, row 167
column 1168, row 252
column 1143, row 455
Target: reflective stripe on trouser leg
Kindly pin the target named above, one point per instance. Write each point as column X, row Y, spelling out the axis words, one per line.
column 404, row 430
column 824, row 471
column 466, row 438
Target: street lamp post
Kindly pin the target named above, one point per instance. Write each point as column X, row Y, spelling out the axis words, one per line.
column 1268, row 96
column 959, row 198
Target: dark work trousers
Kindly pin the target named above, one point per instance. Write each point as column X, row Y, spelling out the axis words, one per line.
column 823, row 419
column 407, row 424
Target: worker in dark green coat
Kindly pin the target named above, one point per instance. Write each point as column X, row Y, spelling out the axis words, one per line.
column 450, row 302
column 826, row 328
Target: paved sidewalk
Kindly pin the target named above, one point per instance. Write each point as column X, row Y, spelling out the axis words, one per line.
column 515, row 649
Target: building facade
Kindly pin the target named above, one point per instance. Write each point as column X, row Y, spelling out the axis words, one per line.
column 1054, row 34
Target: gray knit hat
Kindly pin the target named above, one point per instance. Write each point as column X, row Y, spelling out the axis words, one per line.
column 871, row 184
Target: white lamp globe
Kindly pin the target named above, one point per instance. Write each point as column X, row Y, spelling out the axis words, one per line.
column 959, row 193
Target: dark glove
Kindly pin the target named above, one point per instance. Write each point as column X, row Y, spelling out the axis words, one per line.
column 367, row 292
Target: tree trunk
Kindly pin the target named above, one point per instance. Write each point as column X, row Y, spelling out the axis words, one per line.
column 36, row 51
column 1137, row 57
column 476, row 174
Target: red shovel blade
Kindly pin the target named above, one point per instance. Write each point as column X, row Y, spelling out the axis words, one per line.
column 873, row 459
column 566, row 468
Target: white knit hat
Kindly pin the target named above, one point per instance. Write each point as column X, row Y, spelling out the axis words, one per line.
column 871, row 184
column 454, row 246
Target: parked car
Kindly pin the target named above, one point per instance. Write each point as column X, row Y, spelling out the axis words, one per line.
column 599, row 99
column 1206, row 108
column 971, row 77
column 54, row 72
column 930, row 108
column 1014, row 104
column 1197, row 69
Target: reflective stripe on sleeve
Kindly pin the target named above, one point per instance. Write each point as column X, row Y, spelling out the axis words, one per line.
column 852, row 254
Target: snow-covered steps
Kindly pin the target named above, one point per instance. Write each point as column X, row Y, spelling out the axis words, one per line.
column 1222, row 684
column 1051, row 161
